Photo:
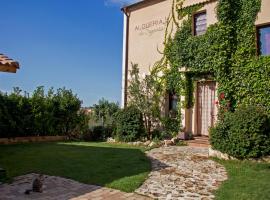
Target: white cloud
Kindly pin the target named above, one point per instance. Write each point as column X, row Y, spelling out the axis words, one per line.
column 119, row 2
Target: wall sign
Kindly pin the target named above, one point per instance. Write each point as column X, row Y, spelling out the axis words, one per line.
column 151, row 27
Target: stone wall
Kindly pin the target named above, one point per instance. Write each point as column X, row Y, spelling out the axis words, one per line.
column 32, row 139
column 224, row 156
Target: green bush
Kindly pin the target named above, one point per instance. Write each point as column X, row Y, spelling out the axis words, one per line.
column 55, row 113
column 129, row 124
column 97, row 133
column 171, row 126
column 3, row 175
column 244, row 133
column 156, row 134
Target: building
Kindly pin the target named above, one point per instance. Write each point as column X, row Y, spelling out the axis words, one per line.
column 144, row 30
column 8, row 65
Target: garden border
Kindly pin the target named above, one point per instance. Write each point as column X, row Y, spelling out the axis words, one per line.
column 16, row 140
column 224, row 156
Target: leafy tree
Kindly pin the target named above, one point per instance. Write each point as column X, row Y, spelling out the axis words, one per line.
column 67, row 106
column 104, row 111
column 144, row 93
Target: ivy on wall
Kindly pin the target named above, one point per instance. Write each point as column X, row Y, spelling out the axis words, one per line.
column 226, row 53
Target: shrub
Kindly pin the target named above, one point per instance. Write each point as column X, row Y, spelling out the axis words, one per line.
column 156, row 134
column 3, row 175
column 171, row 126
column 129, row 124
column 54, row 113
column 97, row 133
column 244, row 133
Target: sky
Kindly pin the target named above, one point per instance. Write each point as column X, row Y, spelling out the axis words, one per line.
column 75, row 44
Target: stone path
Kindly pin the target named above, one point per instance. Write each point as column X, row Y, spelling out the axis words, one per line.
column 182, row 173
column 57, row 188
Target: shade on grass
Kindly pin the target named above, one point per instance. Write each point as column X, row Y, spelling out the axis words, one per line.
column 116, row 166
column 247, row 181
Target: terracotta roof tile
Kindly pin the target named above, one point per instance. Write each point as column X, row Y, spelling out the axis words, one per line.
column 8, row 65
column 4, row 60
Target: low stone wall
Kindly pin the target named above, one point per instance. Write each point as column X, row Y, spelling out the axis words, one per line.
column 32, row 139
column 220, row 155
column 224, row 156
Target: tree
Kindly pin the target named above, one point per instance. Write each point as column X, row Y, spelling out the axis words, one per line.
column 66, row 108
column 144, row 94
column 105, row 110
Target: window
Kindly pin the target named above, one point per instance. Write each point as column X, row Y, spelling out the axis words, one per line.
column 263, row 39
column 199, row 23
column 173, row 99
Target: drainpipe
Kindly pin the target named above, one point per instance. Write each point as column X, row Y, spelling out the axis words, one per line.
column 125, row 58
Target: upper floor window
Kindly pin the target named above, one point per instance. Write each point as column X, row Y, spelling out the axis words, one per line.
column 200, row 23
column 263, row 38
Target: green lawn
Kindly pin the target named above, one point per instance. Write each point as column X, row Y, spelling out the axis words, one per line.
column 247, row 180
column 112, row 165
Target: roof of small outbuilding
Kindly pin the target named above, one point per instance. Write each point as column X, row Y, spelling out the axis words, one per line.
column 7, row 64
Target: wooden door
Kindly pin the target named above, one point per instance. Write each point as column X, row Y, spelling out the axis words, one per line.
column 206, row 107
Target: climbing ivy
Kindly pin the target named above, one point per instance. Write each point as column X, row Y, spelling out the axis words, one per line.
column 226, row 53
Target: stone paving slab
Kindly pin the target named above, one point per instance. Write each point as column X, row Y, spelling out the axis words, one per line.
column 182, row 173
column 58, row 188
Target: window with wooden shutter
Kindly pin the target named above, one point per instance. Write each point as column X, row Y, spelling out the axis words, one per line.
column 200, row 23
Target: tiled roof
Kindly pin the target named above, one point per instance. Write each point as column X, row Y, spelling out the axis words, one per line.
column 8, row 65
column 4, row 60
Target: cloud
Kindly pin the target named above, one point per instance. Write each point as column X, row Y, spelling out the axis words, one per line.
column 119, row 2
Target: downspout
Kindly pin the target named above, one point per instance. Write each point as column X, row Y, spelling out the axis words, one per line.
column 125, row 58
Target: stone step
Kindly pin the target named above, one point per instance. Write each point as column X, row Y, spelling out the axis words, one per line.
column 199, row 141
column 197, row 144
column 201, row 138
column 193, row 142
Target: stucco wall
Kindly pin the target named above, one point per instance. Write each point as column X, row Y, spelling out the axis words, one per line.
column 264, row 14
column 146, row 34
column 187, row 3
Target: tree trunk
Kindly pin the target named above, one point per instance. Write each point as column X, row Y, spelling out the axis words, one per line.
column 149, row 129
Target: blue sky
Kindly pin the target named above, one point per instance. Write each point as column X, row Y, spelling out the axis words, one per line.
column 71, row 43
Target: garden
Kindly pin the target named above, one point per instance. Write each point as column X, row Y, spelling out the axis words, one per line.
column 92, row 163
column 226, row 53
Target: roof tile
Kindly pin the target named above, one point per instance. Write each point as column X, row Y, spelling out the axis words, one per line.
column 4, row 60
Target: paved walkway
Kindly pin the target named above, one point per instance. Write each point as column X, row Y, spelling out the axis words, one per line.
column 182, row 173
column 57, row 188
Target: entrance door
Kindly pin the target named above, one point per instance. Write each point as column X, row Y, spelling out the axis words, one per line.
column 206, row 108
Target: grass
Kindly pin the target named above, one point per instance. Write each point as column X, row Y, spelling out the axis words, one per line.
column 247, row 181
column 112, row 165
